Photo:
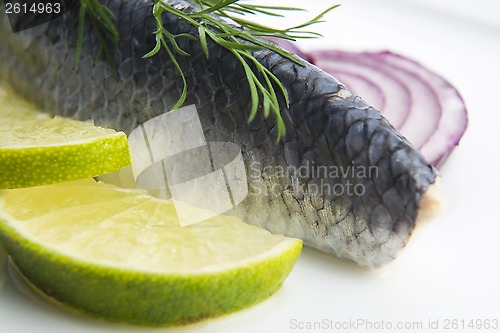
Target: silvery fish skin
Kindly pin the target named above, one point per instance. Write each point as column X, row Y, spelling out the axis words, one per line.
column 342, row 179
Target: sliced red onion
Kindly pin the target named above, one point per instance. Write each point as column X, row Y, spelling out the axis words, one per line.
column 422, row 105
column 452, row 121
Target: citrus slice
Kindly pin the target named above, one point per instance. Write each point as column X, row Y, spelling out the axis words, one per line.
column 121, row 254
column 36, row 149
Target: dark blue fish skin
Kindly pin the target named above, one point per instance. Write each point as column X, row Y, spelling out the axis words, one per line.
column 334, row 140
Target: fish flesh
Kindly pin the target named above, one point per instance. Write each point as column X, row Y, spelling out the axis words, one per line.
column 342, row 178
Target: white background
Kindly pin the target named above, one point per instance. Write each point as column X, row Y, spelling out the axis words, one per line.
column 450, row 270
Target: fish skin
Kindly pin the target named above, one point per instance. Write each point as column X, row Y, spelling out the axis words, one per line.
column 327, row 127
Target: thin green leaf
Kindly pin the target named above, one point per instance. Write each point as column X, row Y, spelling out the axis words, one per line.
column 315, row 20
column 257, row 27
column 102, row 19
column 161, row 37
column 186, row 35
column 266, row 107
column 182, row 98
column 282, row 8
column 266, row 74
column 105, row 49
column 262, row 11
column 253, row 88
column 280, row 124
column 215, row 7
column 203, row 40
column 79, row 38
column 171, row 38
column 156, row 49
column 238, row 10
column 265, row 87
column 232, row 45
column 282, row 52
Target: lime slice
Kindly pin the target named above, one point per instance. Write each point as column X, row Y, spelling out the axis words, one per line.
column 36, row 149
column 121, row 254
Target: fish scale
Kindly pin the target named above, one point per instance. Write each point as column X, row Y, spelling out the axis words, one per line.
column 326, row 127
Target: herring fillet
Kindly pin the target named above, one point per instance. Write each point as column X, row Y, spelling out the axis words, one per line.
column 299, row 186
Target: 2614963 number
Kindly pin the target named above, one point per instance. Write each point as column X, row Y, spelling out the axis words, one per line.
column 34, row 8
column 472, row 324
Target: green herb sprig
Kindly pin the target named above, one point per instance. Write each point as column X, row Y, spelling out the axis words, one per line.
column 240, row 37
column 102, row 19
column 235, row 33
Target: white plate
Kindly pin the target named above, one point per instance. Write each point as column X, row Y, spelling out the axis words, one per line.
column 450, row 271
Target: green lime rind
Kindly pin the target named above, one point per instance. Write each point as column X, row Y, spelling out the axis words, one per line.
column 148, row 298
column 41, row 165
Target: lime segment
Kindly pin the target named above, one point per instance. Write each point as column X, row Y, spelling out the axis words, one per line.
column 36, row 149
column 121, row 254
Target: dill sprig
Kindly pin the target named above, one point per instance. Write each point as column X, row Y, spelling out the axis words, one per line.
column 235, row 33
column 240, row 37
column 102, row 19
